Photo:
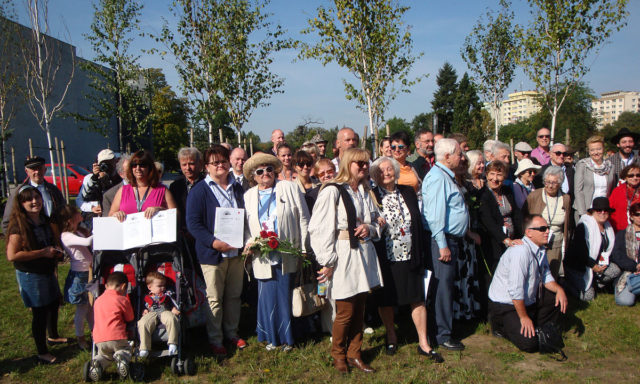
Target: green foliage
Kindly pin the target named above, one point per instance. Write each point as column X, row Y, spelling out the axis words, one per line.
column 115, row 74
column 629, row 120
column 170, row 124
column 219, row 63
column 396, row 124
column 490, row 52
column 444, row 97
column 560, row 38
column 466, row 107
column 368, row 38
column 422, row 121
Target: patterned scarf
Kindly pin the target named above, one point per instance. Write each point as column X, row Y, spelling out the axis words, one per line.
column 601, row 170
column 632, row 251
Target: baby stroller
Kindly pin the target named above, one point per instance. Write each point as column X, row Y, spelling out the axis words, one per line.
column 166, row 259
column 105, row 263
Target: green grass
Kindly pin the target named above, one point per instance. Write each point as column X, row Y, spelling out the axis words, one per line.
column 602, row 342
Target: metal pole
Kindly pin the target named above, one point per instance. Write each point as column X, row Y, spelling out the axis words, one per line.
column 30, row 148
column 64, row 172
column 511, row 145
column 13, row 165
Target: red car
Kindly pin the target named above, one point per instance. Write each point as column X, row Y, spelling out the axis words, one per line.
column 75, row 175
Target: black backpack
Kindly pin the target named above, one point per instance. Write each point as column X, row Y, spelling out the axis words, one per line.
column 550, row 339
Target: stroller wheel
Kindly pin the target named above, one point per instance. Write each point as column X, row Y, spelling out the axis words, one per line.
column 94, row 371
column 189, row 366
column 174, row 366
column 136, row 371
column 85, row 371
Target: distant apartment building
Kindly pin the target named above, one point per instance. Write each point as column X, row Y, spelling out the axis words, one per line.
column 608, row 108
column 518, row 106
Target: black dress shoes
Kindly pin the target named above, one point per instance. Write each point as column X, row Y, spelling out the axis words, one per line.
column 432, row 355
column 453, row 345
column 361, row 365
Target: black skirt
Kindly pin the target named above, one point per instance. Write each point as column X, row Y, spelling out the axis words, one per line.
column 402, row 285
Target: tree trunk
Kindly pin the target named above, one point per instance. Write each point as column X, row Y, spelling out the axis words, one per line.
column 496, row 111
column 210, row 124
column 53, row 168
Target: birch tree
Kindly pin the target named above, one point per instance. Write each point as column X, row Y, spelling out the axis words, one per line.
column 113, row 79
column 560, row 38
column 490, row 52
column 370, row 40
column 47, row 84
column 223, row 51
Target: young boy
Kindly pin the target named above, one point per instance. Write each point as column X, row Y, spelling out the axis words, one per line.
column 112, row 311
column 159, row 306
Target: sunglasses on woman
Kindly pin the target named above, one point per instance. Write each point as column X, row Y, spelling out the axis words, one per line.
column 398, row 147
column 141, row 165
column 362, row 164
column 303, row 164
column 260, row 171
column 325, row 173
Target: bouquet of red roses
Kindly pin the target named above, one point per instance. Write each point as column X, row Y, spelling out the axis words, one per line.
column 268, row 241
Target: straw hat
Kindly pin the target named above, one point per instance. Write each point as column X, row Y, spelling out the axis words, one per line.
column 524, row 165
column 257, row 160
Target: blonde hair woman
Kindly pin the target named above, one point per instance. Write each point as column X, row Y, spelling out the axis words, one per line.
column 341, row 229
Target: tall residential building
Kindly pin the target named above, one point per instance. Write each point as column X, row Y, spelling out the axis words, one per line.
column 518, row 106
column 607, row 108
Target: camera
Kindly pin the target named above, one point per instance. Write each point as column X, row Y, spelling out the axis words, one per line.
column 104, row 167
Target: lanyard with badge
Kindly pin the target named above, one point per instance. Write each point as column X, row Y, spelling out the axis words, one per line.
column 555, row 210
column 227, row 195
column 269, row 223
column 140, row 202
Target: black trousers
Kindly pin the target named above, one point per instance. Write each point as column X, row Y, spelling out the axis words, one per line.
column 505, row 319
column 45, row 319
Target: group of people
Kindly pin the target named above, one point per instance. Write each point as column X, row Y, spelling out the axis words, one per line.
column 496, row 240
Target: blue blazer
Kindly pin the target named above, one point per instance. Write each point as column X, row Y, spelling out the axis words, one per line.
column 201, row 214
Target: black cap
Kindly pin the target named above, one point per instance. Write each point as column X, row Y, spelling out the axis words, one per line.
column 624, row 132
column 600, row 204
column 34, row 162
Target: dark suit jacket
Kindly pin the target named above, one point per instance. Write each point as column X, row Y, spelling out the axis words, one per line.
column 107, row 198
column 200, row 217
column 491, row 223
column 178, row 189
column 54, row 192
column 569, row 174
column 421, row 165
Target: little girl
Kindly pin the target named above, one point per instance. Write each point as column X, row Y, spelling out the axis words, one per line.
column 76, row 243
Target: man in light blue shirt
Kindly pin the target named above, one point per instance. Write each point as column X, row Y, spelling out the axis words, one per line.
column 447, row 217
column 521, row 293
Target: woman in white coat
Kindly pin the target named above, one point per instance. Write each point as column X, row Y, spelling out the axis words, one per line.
column 276, row 206
column 341, row 229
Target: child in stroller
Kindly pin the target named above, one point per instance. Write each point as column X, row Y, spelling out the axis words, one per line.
column 159, row 306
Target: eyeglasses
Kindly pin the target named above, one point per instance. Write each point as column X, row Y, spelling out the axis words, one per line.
column 398, row 147
column 636, row 214
column 362, row 164
column 303, row 164
column 543, row 228
column 141, row 165
column 217, row 162
column 260, row 171
column 633, row 175
column 544, row 136
column 551, row 183
column 325, row 173
column 558, row 153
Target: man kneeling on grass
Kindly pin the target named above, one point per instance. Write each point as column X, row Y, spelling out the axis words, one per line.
column 523, row 295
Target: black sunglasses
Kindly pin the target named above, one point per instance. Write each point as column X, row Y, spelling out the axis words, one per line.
column 636, row 214
column 398, row 147
column 260, row 171
column 141, row 165
column 543, row 228
column 305, row 163
column 558, row 153
column 544, row 136
column 361, row 164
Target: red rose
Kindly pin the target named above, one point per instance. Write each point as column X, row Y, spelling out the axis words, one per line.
column 273, row 243
column 264, row 234
column 272, row 234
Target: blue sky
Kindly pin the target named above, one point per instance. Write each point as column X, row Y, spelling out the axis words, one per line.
column 314, row 92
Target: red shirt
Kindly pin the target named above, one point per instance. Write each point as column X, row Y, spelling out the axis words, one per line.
column 618, row 200
column 112, row 312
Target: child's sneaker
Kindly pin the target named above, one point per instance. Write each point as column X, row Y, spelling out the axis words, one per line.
column 143, row 353
column 95, row 371
column 122, row 365
column 173, row 349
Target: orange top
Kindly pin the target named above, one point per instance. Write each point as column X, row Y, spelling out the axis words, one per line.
column 408, row 177
column 112, row 312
